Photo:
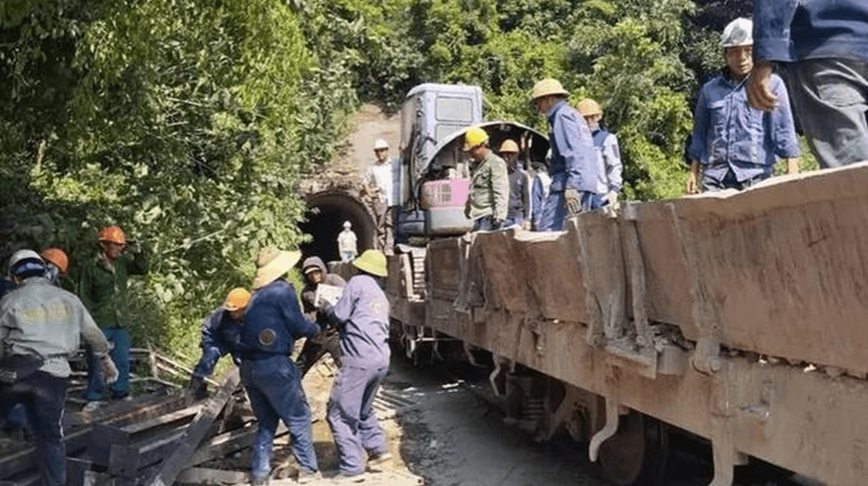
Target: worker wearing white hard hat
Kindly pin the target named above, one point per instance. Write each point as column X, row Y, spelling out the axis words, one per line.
column 40, row 326
column 380, row 187
column 733, row 144
column 348, row 244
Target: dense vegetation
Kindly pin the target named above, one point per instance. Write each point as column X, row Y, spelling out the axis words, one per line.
column 189, row 121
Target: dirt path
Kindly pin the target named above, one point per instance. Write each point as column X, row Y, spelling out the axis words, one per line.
column 441, row 432
column 365, row 126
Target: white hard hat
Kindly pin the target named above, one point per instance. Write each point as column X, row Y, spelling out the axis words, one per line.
column 737, row 33
column 347, row 225
column 21, row 256
column 380, row 144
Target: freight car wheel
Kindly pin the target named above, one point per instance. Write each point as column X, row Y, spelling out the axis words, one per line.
column 636, row 454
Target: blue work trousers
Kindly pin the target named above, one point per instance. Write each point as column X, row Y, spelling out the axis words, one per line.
column 351, row 416
column 555, row 211
column 485, row 223
column 43, row 396
column 119, row 339
column 273, row 385
column 730, row 181
column 516, row 220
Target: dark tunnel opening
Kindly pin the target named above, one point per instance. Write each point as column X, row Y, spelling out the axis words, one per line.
column 325, row 220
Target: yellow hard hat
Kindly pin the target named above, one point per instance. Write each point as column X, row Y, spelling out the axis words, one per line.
column 588, row 107
column 238, row 298
column 474, row 137
column 548, row 87
column 509, row 146
column 373, row 262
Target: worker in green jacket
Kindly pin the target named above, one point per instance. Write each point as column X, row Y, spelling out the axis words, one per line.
column 103, row 290
column 488, row 201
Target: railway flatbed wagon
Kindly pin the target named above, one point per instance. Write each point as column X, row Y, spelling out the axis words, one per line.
column 741, row 318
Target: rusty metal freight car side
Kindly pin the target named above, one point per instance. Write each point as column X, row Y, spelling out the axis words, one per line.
column 666, row 309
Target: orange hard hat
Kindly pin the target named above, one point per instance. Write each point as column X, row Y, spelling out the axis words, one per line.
column 113, row 234
column 56, row 257
column 238, row 298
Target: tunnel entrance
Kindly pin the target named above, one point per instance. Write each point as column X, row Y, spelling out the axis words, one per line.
column 325, row 219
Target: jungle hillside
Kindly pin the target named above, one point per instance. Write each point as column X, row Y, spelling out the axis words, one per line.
column 190, row 122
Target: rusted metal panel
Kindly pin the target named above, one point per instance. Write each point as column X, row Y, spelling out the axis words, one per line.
column 782, row 269
column 667, row 285
column 548, row 267
column 802, row 421
column 503, row 271
column 443, row 268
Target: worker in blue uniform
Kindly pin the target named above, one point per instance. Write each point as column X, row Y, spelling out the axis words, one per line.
column 272, row 324
column 221, row 334
column 573, row 166
column 735, row 145
column 362, row 318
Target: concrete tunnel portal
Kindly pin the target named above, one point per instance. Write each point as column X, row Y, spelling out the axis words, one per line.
column 325, row 218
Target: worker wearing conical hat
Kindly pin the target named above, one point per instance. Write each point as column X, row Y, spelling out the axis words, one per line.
column 271, row 325
column 362, row 318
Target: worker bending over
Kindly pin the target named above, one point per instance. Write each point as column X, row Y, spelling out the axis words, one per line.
column 221, row 334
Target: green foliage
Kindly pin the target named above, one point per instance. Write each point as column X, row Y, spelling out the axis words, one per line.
column 189, row 122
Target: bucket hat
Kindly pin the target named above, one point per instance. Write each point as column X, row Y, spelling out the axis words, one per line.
column 373, row 262
column 272, row 263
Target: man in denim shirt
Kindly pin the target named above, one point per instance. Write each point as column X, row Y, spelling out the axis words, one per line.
column 826, row 47
column 734, row 143
column 573, row 167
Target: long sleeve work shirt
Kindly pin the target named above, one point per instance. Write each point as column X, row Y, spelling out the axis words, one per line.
column 609, row 165
column 220, row 335
column 362, row 318
column 39, row 319
column 489, row 189
column 273, row 322
column 103, row 287
column 790, row 30
column 574, row 158
column 729, row 134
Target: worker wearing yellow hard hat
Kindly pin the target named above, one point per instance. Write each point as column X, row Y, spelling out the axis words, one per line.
column 488, row 199
column 573, row 167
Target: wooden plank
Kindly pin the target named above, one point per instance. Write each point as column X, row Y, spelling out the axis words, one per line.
column 142, row 408
column 127, row 460
column 225, row 444
column 101, row 441
column 104, row 437
column 197, row 430
column 25, row 459
column 199, row 475
column 75, row 470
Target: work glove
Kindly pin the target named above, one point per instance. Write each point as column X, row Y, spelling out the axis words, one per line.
column 573, row 200
column 197, row 388
column 109, row 370
column 611, row 198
